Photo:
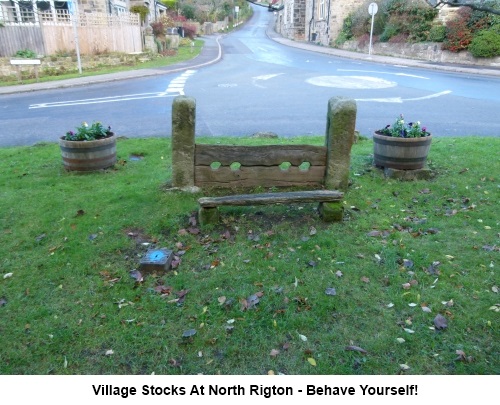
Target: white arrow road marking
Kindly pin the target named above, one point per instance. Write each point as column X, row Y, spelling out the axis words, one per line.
column 176, row 87
column 383, row 73
column 112, row 99
column 351, row 82
column 402, row 100
column 263, row 77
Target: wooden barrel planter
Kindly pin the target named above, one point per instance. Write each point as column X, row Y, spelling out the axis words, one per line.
column 400, row 153
column 86, row 156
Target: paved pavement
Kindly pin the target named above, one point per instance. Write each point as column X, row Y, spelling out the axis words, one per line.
column 212, row 53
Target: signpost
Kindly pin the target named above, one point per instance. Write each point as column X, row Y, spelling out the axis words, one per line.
column 236, row 10
column 71, row 9
column 372, row 10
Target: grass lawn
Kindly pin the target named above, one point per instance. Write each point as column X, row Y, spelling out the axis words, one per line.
column 183, row 53
column 270, row 290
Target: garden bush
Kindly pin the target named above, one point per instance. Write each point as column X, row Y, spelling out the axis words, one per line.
column 486, row 44
column 437, row 33
column 390, row 31
column 458, row 33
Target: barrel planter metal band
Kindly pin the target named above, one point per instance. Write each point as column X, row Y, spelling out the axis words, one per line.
column 400, row 153
column 85, row 156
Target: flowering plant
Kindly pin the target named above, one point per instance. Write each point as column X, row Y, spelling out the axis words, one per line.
column 87, row 132
column 400, row 129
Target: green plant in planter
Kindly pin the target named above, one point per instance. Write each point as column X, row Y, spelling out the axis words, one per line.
column 87, row 132
column 401, row 129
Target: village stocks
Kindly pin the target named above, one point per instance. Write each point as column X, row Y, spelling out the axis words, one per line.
column 259, row 390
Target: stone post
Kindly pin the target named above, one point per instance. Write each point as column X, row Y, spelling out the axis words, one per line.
column 183, row 133
column 340, row 128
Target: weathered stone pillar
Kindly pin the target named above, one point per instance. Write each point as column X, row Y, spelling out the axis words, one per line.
column 183, row 133
column 340, row 127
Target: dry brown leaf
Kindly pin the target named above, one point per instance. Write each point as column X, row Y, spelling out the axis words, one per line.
column 356, row 349
column 274, row 352
column 440, row 322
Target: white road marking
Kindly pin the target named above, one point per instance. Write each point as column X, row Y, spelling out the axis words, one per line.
column 351, row 82
column 112, row 99
column 176, row 87
column 402, row 100
column 263, row 77
column 384, row 73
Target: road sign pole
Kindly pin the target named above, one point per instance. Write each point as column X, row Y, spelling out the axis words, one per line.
column 372, row 10
column 71, row 9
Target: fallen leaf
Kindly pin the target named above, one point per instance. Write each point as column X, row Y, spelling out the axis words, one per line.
column 136, row 275
column 189, row 333
column 40, row 237
column 433, row 268
column 390, row 305
column 494, row 289
column 312, row 231
column 407, row 263
column 303, row 338
column 221, row 300
column 449, row 303
column 400, row 340
column 409, row 330
column 3, row 301
column 406, row 286
column 252, row 301
column 109, row 352
column 461, row 355
column 7, row 275
column 163, row 289
column 270, row 372
column 311, row 361
column 365, row 279
column 404, row 367
column 356, row 349
column 274, row 353
column 426, row 309
column 440, row 322
column 330, row 291
column 338, row 273
column 412, row 304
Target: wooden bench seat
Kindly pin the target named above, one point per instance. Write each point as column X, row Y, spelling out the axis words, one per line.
column 209, row 213
column 272, row 198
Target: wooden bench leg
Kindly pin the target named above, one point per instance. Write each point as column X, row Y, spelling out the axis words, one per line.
column 208, row 216
column 332, row 211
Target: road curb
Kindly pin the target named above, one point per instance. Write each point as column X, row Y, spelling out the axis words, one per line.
column 112, row 77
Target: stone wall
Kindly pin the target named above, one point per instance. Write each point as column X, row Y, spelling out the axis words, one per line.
column 425, row 51
column 69, row 64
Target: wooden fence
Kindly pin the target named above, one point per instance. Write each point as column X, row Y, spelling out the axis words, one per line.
column 50, row 34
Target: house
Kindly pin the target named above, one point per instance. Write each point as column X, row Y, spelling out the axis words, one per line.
column 318, row 21
column 33, row 11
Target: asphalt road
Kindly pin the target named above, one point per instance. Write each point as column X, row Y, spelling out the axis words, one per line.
column 259, row 82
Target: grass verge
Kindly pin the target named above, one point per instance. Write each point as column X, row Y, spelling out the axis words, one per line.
column 184, row 53
column 357, row 297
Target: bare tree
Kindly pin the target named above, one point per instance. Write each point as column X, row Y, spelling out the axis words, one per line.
column 473, row 4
